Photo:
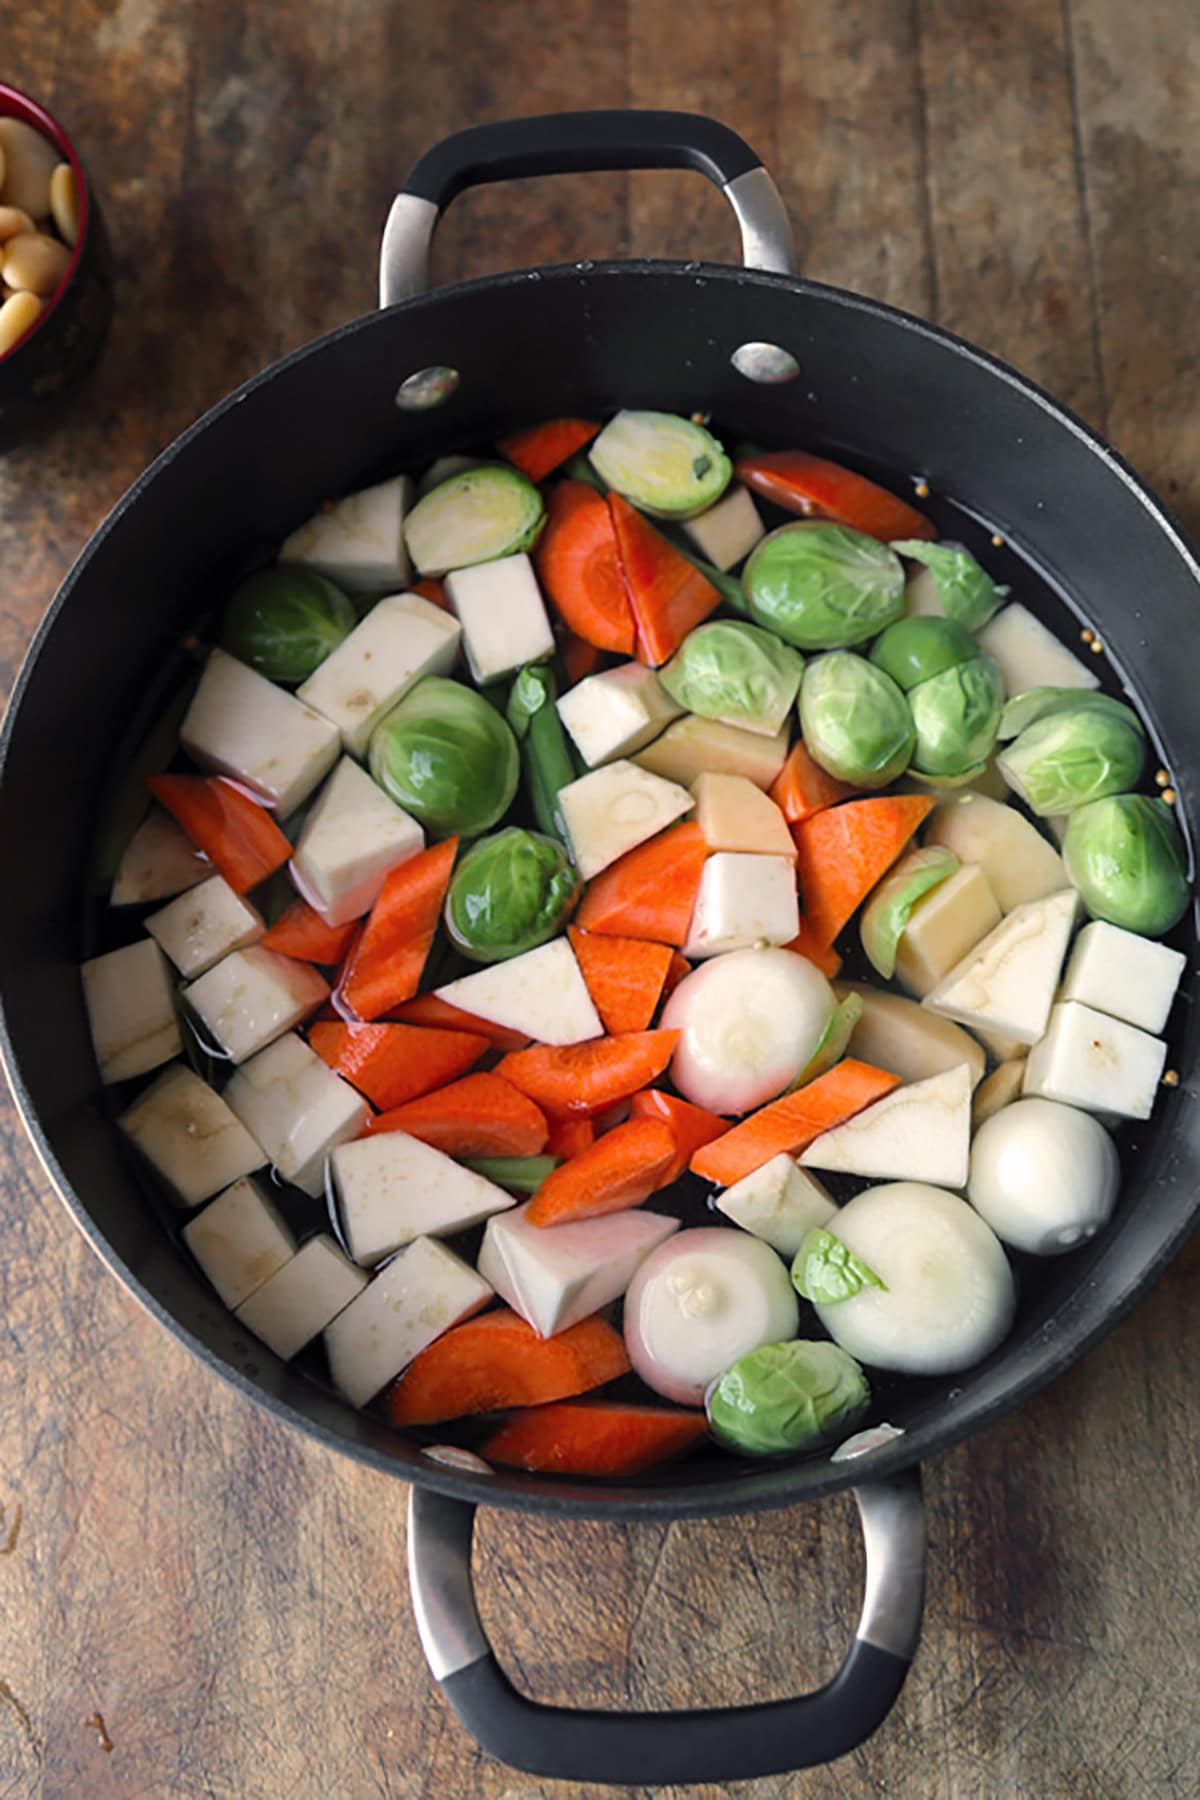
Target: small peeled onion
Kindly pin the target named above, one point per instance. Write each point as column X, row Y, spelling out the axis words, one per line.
column 749, row 1021
column 1044, row 1176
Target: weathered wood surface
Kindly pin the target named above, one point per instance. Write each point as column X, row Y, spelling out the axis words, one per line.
column 229, row 1601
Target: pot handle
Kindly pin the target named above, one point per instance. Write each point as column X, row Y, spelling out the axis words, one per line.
column 576, row 142
column 666, row 1748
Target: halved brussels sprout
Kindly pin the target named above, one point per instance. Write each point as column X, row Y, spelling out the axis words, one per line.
column 826, row 1271
column 955, row 715
column 510, row 893
column 855, row 721
column 1065, row 759
column 1036, row 703
column 668, row 466
column 784, row 1397
column 285, row 621
column 446, row 757
column 915, row 650
column 967, row 592
column 885, row 916
column 735, row 672
column 1126, row 857
column 477, row 516
column 819, row 586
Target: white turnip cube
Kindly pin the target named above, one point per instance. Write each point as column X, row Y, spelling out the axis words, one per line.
column 920, row 1132
column 242, row 725
column 159, row 860
column 205, row 924
column 743, row 900
column 614, row 809
column 540, row 993
column 357, row 541
column 1030, row 655
column 779, row 1202
column 420, row 1294
column 297, row 1108
column 305, row 1296
column 1007, row 983
column 131, row 1010
column 499, row 605
column 1101, row 1064
column 728, row 531
column 252, row 997
column 187, row 1133
column 1120, row 973
column 240, row 1240
column 392, row 1188
column 616, row 712
column 402, row 638
column 555, row 1275
column 353, row 837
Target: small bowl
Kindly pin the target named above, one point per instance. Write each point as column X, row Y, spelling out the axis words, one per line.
column 64, row 340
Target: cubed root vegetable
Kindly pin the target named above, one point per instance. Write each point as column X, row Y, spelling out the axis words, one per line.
column 620, row 1170
column 238, row 835
column 594, row 1438
column 301, row 932
column 477, row 1116
column 385, row 965
column 624, row 976
column 498, row 1361
column 439, row 1014
column 667, row 594
column 393, row 1063
column 649, row 892
column 584, row 1079
column 793, row 1122
column 690, row 1126
column 802, row 787
column 541, row 449
column 580, row 571
column 843, row 851
column 815, row 488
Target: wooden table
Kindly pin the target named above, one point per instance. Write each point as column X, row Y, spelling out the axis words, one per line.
column 194, row 1601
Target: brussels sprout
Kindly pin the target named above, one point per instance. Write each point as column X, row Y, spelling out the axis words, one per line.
column 1043, row 702
column 784, row 1397
column 955, row 715
column 820, row 586
column 915, row 650
column 856, row 722
column 668, row 466
column 825, row 1270
column 886, row 914
column 1068, row 758
column 834, row 1040
column 735, row 672
column 511, row 892
column 446, row 757
column 479, row 515
column 967, row 593
column 1126, row 857
column 285, row 621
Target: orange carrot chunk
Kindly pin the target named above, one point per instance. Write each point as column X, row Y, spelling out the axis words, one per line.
column 394, row 1063
column 497, row 1361
column 301, row 932
column 677, row 968
column 577, row 563
column 569, row 1136
column 584, row 1079
column 810, row 485
column 842, row 852
column 807, row 943
column 580, row 659
column 667, row 594
column 593, row 1437
column 624, row 976
column 477, row 1116
column 385, row 965
column 802, row 787
column 791, row 1123
column 540, row 449
column 430, row 588
column 690, row 1126
column 240, row 836
column 620, row 1170
column 649, row 892
column 429, row 1009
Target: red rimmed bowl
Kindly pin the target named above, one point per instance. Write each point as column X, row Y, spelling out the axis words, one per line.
column 61, row 345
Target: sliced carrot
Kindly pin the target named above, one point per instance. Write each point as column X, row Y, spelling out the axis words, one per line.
column 791, row 1123
column 807, row 943
column 301, row 932
column 569, row 1136
column 842, row 852
column 580, row 659
column 430, row 588
column 690, row 1126
column 802, row 787
column 431, row 1010
column 649, row 892
column 810, row 485
column 394, row 1063
column 668, row 595
column 238, row 834
column 540, row 449
column 597, row 1437
column 677, row 968
column 385, row 964
column 624, row 976
column 580, row 570
column 477, row 1116
column 496, row 1361
column 582, row 1079
column 620, row 1170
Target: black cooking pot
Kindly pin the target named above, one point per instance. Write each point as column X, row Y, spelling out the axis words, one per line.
column 776, row 359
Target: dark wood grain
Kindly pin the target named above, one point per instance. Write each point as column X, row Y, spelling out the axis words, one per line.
column 228, row 1600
